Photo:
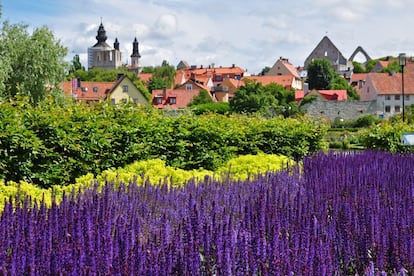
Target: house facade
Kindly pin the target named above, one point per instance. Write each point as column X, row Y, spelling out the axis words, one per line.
column 124, row 90
column 121, row 91
column 283, row 67
column 385, row 90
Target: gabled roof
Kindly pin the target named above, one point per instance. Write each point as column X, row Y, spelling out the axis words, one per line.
column 330, row 95
column 287, row 65
column 285, row 80
column 88, row 90
column 391, row 84
column 321, row 51
column 182, row 97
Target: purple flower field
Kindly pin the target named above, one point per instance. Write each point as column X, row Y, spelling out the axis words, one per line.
column 342, row 214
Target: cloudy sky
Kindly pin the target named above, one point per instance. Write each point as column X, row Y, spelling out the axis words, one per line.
column 250, row 34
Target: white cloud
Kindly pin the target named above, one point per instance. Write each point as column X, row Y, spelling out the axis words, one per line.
column 249, row 34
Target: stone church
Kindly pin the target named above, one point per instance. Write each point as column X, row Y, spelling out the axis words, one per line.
column 102, row 55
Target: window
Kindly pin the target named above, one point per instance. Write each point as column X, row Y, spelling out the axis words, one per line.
column 135, row 100
column 397, row 109
column 112, row 101
column 407, row 97
column 189, row 86
column 387, row 98
column 158, row 100
column 95, row 89
column 125, row 88
column 397, row 97
column 218, row 78
column 387, row 109
column 173, row 100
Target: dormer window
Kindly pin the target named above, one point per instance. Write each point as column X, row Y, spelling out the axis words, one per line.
column 158, row 100
column 173, row 100
column 95, row 89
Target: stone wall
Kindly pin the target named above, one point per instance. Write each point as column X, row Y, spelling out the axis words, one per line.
column 346, row 110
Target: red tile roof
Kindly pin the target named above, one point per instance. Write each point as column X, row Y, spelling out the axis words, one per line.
column 330, row 95
column 285, row 80
column 182, row 97
column 88, row 91
column 145, row 77
column 390, row 84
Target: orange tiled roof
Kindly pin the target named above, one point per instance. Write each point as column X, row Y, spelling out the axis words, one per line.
column 292, row 69
column 88, row 91
column 145, row 77
column 284, row 80
column 389, row 84
column 358, row 77
column 182, row 97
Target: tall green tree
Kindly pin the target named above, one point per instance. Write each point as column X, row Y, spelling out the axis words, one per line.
column 76, row 64
column 163, row 76
column 30, row 63
column 320, row 74
column 269, row 100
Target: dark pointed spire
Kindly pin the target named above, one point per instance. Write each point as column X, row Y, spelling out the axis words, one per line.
column 101, row 37
column 135, row 51
column 116, row 44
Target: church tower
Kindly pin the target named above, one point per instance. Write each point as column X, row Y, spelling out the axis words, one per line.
column 101, row 55
column 135, row 54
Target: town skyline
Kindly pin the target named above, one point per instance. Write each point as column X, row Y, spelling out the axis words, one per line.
column 250, row 35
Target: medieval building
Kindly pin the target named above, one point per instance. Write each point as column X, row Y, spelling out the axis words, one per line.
column 102, row 55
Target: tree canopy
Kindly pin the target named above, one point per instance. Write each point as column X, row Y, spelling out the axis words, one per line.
column 269, row 100
column 31, row 64
column 320, row 74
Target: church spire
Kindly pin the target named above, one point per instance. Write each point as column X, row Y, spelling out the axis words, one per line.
column 101, row 37
column 135, row 51
column 116, row 44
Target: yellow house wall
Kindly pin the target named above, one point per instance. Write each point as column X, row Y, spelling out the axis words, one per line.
column 133, row 93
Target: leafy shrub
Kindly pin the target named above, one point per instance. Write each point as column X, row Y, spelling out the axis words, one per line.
column 53, row 144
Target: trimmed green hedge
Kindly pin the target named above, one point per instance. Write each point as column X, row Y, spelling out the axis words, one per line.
column 53, row 144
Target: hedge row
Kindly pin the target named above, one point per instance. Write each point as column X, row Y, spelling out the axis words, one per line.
column 53, row 144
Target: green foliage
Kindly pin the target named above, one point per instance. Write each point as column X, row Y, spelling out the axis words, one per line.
column 219, row 108
column 163, row 76
column 249, row 165
column 76, row 65
column 265, row 70
column 202, row 98
column 386, row 136
column 370, row 65
column 269, row 100
column 320, row 74
column 358, row 67
column 391, row 67
column 30, row 63
column 53, row 144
